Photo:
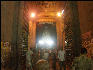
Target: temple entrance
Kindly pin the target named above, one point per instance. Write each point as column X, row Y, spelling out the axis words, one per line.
column 46, row 41
column 42, row 27
column 46, row 36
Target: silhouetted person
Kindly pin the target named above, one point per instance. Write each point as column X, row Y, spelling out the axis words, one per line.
column 35, row 58
column 82, row 62
column 54, row 59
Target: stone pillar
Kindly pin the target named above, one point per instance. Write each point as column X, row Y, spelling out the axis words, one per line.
column 59, row 29
column 58, row 37
column 60, row 34
column 32, row 34
column 63, row 39
column 72, row 27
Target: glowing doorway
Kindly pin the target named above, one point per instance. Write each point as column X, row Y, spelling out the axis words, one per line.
column 46, row 35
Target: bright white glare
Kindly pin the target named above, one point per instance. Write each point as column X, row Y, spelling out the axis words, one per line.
column 41, row 42
column 59, row 14
column 49, row 42
column 62, row 11
column 32, row 14
column 65, row 42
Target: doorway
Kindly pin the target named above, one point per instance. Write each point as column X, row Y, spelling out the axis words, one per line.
column 46, row 35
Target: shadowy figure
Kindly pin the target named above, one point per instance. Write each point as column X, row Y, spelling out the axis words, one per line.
column 54, row 59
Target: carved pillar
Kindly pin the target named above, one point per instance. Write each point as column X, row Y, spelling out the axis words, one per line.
column 72, row 31
column 32, row 34
column 63, row 39
column 60, row 34
column 59, row 28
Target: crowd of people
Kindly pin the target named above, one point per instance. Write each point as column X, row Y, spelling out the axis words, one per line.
column 40, row 59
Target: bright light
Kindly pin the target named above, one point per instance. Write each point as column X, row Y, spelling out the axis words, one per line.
column 49, row 42
column 62, row 11
column 65, row 42
column 59, row 14
column 41, row 42
column 32, row 15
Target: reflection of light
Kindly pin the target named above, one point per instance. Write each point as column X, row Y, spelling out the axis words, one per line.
column 46, row 42
column 41, row 42
column 32, row 15
column 49, row 42
column 65, row 42
column 59, row 14
column 62, row 11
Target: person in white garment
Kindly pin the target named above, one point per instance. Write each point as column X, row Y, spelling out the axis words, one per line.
column 46, row 55
column 61, row 57
column 29, row 59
